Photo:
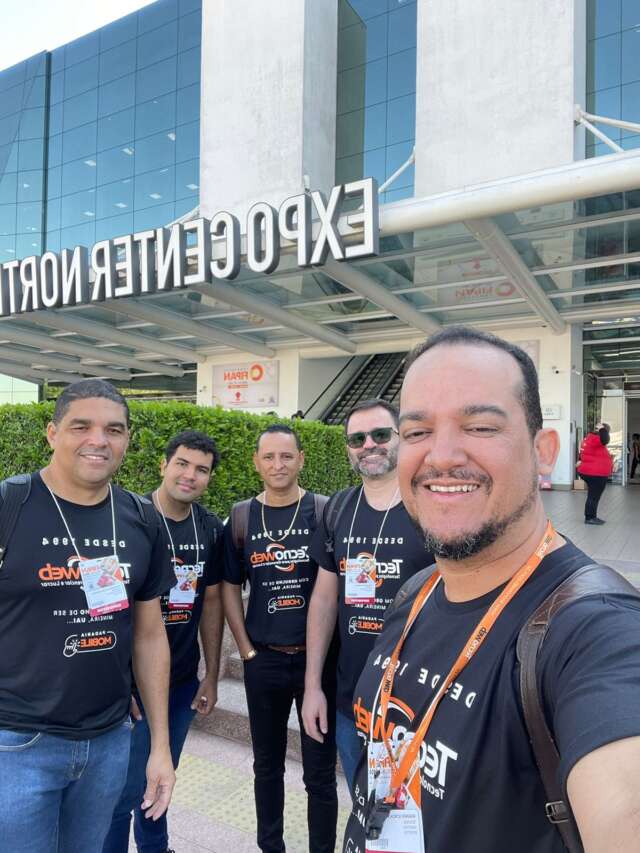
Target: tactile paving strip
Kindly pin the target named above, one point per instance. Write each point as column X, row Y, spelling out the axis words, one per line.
column 226, row 795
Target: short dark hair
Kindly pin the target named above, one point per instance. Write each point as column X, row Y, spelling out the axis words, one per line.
column 193, row 439
column 373, row 403
column 86, row 389
column 529, row 392
column 284, row 428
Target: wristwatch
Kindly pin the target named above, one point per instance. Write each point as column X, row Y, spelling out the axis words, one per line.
column 249, row 655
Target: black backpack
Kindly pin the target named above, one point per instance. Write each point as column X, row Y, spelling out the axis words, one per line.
column 592, row 580
column 14, row 492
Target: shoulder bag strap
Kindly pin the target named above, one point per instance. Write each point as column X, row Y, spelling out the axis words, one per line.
column 332, row 514
column 14, row 491
column 319, row 503
column 593, row 579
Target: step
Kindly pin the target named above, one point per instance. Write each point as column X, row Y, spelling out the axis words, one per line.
column 235, row 667
column 230, row 719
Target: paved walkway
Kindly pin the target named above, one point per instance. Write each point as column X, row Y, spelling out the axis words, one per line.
column 212, row 809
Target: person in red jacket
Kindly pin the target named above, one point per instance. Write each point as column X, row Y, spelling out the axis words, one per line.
column 595, row 467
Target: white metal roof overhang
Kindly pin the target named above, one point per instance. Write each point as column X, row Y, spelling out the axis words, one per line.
column 549, row 248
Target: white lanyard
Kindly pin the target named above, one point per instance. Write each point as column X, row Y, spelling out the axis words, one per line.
column 355, row 512
column 73, row 541
column 195, row 531
column 267, row 533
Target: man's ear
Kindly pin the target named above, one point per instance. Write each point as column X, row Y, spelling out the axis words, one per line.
column 546, row 446
column 163, row 466
column 301, row 459
column 51, row 434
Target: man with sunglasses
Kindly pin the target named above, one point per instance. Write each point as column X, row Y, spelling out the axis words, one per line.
column 366, row 548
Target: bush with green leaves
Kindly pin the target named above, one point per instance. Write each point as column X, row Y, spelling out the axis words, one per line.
column 24, row 447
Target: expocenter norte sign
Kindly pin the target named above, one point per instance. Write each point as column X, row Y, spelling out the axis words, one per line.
column 195, row 252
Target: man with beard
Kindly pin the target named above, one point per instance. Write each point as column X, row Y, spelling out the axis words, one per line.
column 450, row 763
column 366, row 548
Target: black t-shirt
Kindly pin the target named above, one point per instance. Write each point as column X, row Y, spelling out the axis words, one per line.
column 399, row 552
column 182, row 623
column 63, row 671
column 279, row 569
column 481, row 790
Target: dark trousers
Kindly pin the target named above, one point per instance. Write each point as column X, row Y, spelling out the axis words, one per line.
column 595, row 488
column 634, row 465
column 273, row 681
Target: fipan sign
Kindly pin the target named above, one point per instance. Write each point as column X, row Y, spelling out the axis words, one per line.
column 197, row 252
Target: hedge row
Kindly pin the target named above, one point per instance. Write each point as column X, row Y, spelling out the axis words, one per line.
column 23, row 447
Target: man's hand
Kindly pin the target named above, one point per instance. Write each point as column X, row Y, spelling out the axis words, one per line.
column 134, row 710
column 314, row 714
column 161, row 778
column 205, row 699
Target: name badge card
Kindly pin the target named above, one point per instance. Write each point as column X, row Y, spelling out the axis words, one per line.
column 183, row 595
column 360, row 581
column 103, row 584
column 402, row 830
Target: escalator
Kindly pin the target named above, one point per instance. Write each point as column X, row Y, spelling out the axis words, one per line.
column 380, row 376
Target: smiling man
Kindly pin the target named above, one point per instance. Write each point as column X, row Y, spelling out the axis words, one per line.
column 267, row 543
column 83, row 571
column 450, row 763
column 367, row 548
column 192, row 606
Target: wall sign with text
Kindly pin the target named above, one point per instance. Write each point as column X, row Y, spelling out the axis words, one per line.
column 249, row 385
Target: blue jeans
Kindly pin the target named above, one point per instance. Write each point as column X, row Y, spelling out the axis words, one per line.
column 57, row 795
column 151, row 835
column 350, row 746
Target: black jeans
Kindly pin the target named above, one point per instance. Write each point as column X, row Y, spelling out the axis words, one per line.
column 595, row 488
column 273, row 681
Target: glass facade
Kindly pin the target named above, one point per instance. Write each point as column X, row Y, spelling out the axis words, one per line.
column 376, row 93
column 613, row 68
column 101, row 137
column 23, row 90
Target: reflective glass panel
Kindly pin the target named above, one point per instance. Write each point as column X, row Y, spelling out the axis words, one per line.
column 154, row 188
column 116, row 129
column 157, row 44
column 155, row 151
column 114, row 199
column 156, row 114
column 189, row 30
column 117, row 95
column 118, row 61
column 81, row 109
column 156, row 79
column 78, row 175
column 81, row 77
column 80, row 142
column 115, row 164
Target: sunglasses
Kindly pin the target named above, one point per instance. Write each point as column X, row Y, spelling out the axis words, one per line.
column 381, row 435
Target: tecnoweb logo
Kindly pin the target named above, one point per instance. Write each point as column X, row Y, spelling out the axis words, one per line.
column 279, row 557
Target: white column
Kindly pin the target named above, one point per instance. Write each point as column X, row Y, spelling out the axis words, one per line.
column 268, row 111
column 497, row 81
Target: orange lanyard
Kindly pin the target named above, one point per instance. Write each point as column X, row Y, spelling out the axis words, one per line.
column 402, row 770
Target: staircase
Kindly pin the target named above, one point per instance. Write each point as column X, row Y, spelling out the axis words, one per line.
column 380, row 376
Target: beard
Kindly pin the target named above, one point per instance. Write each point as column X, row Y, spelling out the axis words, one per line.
column 469, row 543
column 387, row 461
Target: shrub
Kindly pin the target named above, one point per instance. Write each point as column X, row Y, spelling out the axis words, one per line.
column 23, row 447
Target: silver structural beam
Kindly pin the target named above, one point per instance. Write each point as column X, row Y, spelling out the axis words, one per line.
column 29, row 373
column 498, row 245
column 19, row 335
column 187, row 326
column 57, row 362
column 620, row 308
column 366, row 286
column 582, row 179
column 253, row 304
column 73, row 322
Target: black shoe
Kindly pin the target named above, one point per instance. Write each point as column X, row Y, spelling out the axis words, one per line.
column 594, row 521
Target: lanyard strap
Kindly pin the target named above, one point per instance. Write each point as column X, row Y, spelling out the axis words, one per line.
column 355, row 512
column 195, row 531
column 64, row 521
column 402, row 770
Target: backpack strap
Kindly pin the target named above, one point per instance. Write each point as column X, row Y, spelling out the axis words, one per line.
column 14, row 492
column 332, row 514
column 239, row 517
column 594, row 579
column 410, row 588
column 319, row 503
column 146, row 509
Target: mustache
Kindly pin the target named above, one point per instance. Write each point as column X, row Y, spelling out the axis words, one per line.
column 431, row 475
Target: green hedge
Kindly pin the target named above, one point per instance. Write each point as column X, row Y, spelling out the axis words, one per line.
column 23, row 447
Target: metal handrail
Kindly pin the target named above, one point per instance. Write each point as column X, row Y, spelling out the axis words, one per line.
column 586, row 120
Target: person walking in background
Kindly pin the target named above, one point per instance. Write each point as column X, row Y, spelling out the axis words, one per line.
column 635, row 454
column 595, row 467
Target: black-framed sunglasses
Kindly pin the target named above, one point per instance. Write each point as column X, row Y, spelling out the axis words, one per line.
column 381, row 435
